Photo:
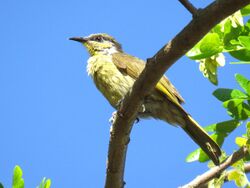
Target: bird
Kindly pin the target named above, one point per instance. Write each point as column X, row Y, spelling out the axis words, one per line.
column 114, row 73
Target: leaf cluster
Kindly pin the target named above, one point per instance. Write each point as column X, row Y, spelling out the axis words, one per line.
column 231, row 36
column 18, row 181
column 237, row 104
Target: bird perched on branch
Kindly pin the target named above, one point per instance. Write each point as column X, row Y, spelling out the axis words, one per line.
column 114, row 73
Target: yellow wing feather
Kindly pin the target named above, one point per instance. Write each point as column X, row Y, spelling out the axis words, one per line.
column 134, row 66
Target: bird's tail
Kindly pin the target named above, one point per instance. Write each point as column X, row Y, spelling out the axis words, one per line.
column 196, row 132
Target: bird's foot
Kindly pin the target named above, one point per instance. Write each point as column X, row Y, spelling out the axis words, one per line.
column 137, row 120
column 113, row 117
column 118, row 105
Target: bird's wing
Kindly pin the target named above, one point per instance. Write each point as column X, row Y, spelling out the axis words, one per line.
column 133, row 67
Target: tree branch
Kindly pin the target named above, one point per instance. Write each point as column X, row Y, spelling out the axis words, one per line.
column 190, row 7
column 203, row 179
column 246, row 170
column 155, row 68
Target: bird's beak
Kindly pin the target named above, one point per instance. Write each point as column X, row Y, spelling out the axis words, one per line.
column 79, row 39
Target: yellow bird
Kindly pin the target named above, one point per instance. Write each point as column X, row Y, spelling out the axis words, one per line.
column 114, row 73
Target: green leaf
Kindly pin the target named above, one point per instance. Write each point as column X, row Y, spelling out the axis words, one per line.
column 236, row 42
column 240, row 141
column 220, row 29
column 193, row 156
column 211, row 128
column 245, row 41
column 230, row 39
column 237, row 94
column 243, row 82
column 208, row 46
column 197, row 155
column 239, row 165
column 242, row 55
column 17, row 181
column 203, row 156
column 1, row 185
column 239, row 178
column 247, row 25
column 219, row 137
column 45, row 183
column 223, row 127
column 223, row 94
column 195, row 53
column 237, row 109
column 246, row 10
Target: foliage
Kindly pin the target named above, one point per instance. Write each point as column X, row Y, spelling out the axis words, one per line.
column 18, row 181
column 235, row 101
column 237, row 104
column 45, row 183
column 238, row 175
column 231, row 36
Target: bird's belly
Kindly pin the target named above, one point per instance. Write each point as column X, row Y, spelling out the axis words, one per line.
column 112, row 83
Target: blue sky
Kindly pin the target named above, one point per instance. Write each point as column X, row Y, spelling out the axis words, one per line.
column 54, row 122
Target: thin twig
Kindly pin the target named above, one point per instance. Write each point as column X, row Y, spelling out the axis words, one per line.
column 215, row 171
column 155, row 68
column 190, row 7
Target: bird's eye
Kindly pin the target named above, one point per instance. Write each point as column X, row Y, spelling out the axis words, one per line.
column 98, row 39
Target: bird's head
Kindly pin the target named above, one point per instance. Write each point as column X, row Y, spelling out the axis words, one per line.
column 99, row 43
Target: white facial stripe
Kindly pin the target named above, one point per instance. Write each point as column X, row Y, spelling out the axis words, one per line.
column 111, row 50
column 108, row 51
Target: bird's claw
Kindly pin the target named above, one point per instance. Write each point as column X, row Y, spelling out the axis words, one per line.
column 137, row 120
column 113, row 117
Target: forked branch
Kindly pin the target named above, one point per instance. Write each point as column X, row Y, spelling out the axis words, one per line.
column 190, row 7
